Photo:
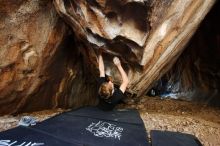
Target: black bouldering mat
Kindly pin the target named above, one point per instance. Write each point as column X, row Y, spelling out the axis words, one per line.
column 168, row 138
column 86, row 126
column 25, row 136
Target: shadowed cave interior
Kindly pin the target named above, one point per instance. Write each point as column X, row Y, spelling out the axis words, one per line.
column 196, row 74
column 48, row 62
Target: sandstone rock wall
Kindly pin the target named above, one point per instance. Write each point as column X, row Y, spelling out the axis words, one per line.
column 148, row 36
column 48, row 48
column 196, row 74
column 30, row 37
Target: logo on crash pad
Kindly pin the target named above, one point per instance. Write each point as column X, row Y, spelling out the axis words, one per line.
column 16, row 143
column 105, row 129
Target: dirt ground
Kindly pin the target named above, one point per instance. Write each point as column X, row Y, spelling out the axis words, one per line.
column 172, row 115
column 180, row 116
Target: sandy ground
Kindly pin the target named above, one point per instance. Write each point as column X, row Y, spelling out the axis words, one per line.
column 180, row 116
column 8, row 121
column 172, row 115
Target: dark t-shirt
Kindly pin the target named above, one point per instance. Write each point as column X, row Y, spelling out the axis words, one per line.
column 111, row 102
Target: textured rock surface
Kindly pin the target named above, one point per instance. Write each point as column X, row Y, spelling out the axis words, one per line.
column 196, row 74
column 40, row 67
column 44, row 65
column 31, row 33
column 147, row 35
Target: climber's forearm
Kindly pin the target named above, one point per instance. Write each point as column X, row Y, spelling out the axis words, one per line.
column 123, row 74
column 101, row 66
column 125, row 79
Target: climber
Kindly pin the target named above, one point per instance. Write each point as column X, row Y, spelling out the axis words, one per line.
column 109, row 96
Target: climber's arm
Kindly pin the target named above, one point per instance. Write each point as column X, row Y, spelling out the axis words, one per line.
column 101, row 64
column 124, row 76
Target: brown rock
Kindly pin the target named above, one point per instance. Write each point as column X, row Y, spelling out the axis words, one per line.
column 147, row 36
column 42, row 66
column 30, row 32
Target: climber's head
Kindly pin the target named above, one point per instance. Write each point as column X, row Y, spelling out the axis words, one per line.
column 106, row 90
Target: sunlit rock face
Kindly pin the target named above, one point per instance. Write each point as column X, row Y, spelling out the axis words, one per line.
column 40, row 65
column 30, row 35
column 48, row 53
column 196, row 74
column 148, row 36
